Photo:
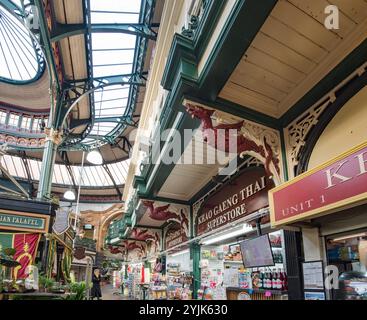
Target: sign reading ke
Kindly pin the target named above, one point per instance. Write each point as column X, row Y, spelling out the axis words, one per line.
column 244, row 195
column 23, row 221
column 332, row 186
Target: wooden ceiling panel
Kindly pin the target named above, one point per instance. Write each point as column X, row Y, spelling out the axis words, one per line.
column 68, row 11
column 292, row 52
column 356, row 10
column 284, row 34
column 78, row 56
column 249, row 99
column 269, row 62
column 267, row 76
column 316, row 9
column 297, row 19
column 283, row 53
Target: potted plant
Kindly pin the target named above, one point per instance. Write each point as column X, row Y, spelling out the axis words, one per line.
column 49, row 283
column 77, row 291
column 42, row 283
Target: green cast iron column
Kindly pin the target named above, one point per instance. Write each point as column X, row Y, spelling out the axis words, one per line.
column 195, row 256
column 48, row 161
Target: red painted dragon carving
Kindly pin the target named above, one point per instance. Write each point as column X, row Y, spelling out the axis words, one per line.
column 163, row 214
column 210, row 135
column 127, row 247
column 144, row 235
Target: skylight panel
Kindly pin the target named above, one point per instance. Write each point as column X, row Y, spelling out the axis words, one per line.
column 93, row 176
column 111, row 70
column 114, row 17
column 115, row 103
column 112, row 40
column 115, row 11
column 18, row 58
column 121, row 92
column 34, row 169
column 113, row 5
column 103, row 128
column 116, row 57
column 112, row 112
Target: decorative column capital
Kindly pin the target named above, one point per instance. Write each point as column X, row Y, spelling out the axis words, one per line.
column 53, row 135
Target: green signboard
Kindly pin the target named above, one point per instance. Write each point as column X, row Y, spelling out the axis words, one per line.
column 18, row 221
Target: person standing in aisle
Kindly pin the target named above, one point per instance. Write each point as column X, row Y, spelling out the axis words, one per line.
column 96, row 288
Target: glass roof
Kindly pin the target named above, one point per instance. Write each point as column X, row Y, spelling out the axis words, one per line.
column 112, row 54
column 20, row 55
column 93, row 176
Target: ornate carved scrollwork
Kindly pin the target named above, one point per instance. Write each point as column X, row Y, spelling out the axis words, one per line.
column 297, row 131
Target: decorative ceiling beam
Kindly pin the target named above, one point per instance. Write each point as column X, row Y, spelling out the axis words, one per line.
column 45, row 41
column 61, row 31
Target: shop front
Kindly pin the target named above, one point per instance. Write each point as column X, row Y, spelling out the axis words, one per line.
column 23, row 226
column 179, row 263
column 329, row 203
column 241, row 258
column 40, row 241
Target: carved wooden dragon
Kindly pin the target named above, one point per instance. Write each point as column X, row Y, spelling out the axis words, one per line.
column 163, row 214
column 214, row 137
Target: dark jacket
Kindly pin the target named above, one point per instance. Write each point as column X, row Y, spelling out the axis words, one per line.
column 96, row 288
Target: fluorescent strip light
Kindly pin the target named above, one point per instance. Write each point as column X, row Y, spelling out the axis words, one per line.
column 351, row 236
column 245, row 229
column 180, row 253
column 115, row 240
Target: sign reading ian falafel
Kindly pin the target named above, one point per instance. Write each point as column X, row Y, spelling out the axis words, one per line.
column 337, row 184
column 242, row 196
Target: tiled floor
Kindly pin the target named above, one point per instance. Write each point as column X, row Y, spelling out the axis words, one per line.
column 110, row 293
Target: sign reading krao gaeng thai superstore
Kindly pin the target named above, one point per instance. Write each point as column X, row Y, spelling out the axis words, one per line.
column 242, row 196
column 333, row 186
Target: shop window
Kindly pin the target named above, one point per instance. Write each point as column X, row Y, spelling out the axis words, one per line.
column 26, row 123
column 3, row 117
column 36, row 124
column 13, row 120
column 348, row 252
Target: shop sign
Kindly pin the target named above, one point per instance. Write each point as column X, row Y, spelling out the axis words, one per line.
column 20, row 221
column 62, row 221
column 241, row 197
column 333, row 186
column 175, row 236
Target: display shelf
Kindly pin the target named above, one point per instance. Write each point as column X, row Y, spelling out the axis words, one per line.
column 273, row 292
column 234, row 262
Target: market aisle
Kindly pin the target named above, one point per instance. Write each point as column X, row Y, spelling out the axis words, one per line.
column 109, row 293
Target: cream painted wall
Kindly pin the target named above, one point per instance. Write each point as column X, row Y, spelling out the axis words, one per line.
column 311, row 244
column 224, row 17
column 346, row 130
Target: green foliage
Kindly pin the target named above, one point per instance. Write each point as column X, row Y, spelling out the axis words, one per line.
column 77, row 291
column 45, row 282
column 9, row 251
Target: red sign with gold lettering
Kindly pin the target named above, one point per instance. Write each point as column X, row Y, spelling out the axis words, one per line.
column 241, row 197
column 330, row 187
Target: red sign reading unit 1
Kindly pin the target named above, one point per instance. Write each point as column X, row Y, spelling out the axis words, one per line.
column 339, row 183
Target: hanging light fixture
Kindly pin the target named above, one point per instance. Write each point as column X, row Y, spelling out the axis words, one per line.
column 95, row 157
column 69, row 195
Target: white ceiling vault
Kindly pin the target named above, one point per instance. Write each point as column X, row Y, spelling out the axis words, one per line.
column 292, row 52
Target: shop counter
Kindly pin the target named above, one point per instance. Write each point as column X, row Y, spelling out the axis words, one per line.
column 233, row 293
